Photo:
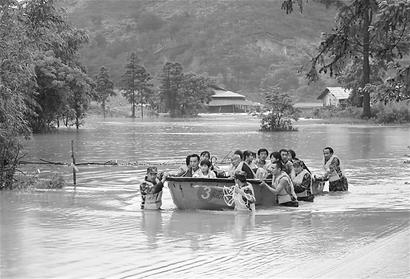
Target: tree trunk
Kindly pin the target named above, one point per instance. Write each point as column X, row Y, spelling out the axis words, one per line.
column 366, row 65
column 103, row 107
column 133, row 103
column 142, row 107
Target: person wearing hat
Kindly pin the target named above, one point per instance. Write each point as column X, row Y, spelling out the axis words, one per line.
column 243, row 194
column 151, row 190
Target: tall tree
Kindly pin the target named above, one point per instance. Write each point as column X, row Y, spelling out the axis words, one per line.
column 104, row 88
column 144, row 87
column 129, row 84
column 16, row 84
column 193, row 94
column 59, row 72
column 171, row 79
column 365, row 31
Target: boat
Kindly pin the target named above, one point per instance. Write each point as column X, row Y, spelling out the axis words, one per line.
column 208, row 193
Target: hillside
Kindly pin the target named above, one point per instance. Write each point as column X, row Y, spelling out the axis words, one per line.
column 242, row 44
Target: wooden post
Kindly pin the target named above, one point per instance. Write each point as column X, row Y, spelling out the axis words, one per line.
column 73, row 157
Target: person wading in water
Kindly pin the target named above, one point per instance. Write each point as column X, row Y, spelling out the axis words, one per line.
column 333, row 171
column 151, row 189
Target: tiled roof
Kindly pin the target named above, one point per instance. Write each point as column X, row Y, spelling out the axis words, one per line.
column 340, row 93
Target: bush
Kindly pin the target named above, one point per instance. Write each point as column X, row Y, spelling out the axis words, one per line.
column 338, row 112
column 271, row 122
column 398, row 112
column 392, row 113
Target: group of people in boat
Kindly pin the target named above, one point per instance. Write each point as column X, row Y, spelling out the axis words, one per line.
column 291, row 178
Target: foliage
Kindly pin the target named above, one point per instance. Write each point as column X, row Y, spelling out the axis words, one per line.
column 365, row 32
column 234, row 44
column 171, row 79
column 193, row 93
column 104, row 88
column 392, row 112
column 279, row 111
column 397, row 112
column 136, row 79
column 39, row 71
column 183, row 94
column 62, row 85
column 16, row 82
column 337, row 112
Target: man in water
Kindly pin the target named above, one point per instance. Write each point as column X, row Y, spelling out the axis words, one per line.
column 243, row 194
column 151, row 190
column 287, row 164
column 333, row 171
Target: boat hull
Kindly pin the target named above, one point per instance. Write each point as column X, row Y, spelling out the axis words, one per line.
column 207, row 193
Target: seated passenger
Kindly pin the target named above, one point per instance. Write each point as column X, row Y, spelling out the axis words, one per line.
column 287, row 164
column 274, row 157
column 243, row 194
column 151, row 190
column 205, row 155
column 205, row 171
column 215, row 168
column 239, row 165
column 248, row 157
column 193, row 166
column 282, row 186
column 302, row 183
column 262, row 155
column 182, row 169
column 292, row 155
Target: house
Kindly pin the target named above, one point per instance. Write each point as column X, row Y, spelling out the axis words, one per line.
column 334, row 96
column 228, row 101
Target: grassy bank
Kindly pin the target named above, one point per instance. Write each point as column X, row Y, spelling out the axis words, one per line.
column 395, row 113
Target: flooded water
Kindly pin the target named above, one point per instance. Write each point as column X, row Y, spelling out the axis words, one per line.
column 96, row 230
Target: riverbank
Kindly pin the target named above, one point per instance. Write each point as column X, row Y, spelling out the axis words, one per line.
column 393, row 113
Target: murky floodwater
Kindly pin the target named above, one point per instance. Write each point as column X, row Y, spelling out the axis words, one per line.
column 96, row 230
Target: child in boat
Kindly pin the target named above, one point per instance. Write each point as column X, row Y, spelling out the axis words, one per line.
column 205, row 171
column 243, row 194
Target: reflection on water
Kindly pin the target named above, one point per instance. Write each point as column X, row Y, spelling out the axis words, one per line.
column 97, row 230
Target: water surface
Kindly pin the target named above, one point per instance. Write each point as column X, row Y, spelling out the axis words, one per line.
column 96, row 230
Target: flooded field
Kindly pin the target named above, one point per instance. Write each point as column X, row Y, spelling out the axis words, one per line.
column 96, row 230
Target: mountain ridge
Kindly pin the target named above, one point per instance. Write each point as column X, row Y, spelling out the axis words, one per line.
column 243, row 45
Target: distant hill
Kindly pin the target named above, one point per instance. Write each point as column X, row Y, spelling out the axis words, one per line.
column 242, row 44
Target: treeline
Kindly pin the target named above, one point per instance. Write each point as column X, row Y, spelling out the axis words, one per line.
column 179, row 93
column 44, row 85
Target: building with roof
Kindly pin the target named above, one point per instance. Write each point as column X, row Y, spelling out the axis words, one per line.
column 334, row 96
column 228, row 101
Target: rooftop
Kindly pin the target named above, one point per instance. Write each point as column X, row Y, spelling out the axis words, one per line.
column 339, row 93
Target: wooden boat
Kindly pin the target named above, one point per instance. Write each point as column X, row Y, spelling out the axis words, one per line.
column 207, row 193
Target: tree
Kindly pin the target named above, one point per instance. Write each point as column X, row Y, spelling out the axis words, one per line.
column 136, row 84
column 16, row 83
column 171, row 78
column 279, row 111
column 81, row 92
column 59, row 74
column 104, row 88
column 193, row 93
column 365, row 31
